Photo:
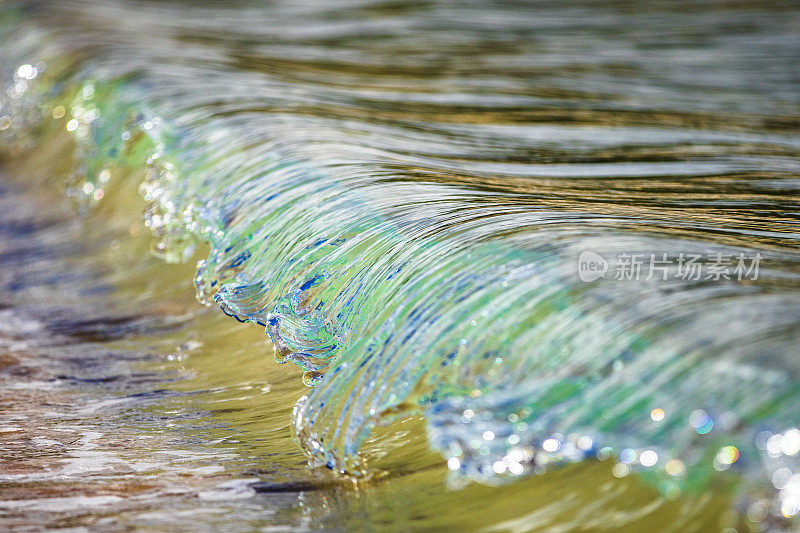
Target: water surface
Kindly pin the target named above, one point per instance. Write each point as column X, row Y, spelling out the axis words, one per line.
column 398, row 195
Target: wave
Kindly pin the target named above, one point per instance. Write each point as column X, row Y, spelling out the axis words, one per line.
column 411, row 239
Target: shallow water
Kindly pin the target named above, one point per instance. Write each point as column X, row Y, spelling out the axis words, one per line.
column 404, row 196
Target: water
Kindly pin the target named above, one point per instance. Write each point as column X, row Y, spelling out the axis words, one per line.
column 399, row 195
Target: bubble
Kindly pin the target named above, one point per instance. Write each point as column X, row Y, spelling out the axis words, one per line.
column 516, row 456
column 790, row 442
column 728, row 455
column 781, row 477
column 16, row 90
column 27, row 72
column 604, row 453
column 758, row 511
column 550, row 445
column 790, row 506
column 774, row 445
column 72, row 125
column 648, row 458
column 621, row 470
column 657, row 415
column 516, row 468
column 91, row 115
column 700, row 421
column 627, row 455
column 674, row 467
column 761, row 439
column 453, row 463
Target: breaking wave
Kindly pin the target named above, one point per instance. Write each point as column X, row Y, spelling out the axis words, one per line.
column 400, row 196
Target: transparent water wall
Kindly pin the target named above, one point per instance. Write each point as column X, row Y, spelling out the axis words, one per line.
column 533, row 265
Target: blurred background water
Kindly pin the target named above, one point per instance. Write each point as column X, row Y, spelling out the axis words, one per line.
column 398, row 194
